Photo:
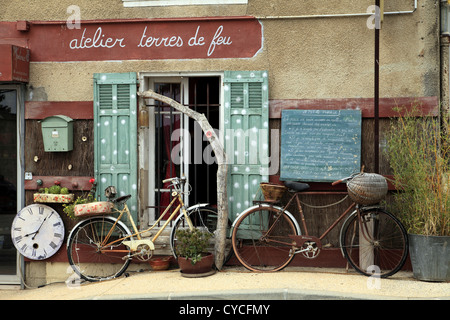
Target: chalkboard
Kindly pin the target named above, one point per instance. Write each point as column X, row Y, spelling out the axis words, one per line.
column 320, row 145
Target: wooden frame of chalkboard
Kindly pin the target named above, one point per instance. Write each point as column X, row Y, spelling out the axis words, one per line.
column 320, row 145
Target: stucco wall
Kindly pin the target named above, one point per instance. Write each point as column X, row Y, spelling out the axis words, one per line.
column 306, row 57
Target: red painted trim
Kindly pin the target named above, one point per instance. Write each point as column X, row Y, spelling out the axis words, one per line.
column 74, row 109
column 73, row 183
column 61, row 256
column 428, row 105
column 328, row 258
column 327, row 187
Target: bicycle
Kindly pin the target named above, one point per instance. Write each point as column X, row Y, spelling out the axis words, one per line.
column 107, row 240
column 266, row 237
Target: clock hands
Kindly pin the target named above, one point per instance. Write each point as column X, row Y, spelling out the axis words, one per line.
column 37, row 231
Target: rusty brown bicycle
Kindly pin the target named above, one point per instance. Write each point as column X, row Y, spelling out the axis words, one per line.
column 266, row 237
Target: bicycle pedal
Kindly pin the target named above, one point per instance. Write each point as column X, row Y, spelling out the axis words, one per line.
column 328, row 245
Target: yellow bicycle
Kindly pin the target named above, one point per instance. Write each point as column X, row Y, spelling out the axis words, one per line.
column 102, row 247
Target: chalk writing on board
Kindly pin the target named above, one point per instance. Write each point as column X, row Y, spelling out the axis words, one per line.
column 320, row 145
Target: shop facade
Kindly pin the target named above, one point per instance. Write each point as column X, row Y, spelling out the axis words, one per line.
column 239, row 62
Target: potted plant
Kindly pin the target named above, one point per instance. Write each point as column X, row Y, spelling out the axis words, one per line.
column 419, row 155
column 192, row 252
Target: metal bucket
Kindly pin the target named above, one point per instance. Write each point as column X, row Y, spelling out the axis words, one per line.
column 430, row 257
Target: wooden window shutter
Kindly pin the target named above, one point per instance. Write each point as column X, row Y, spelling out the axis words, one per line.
column 246, row 134
column 115, row 135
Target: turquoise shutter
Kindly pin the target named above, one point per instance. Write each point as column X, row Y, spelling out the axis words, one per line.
column 115, row 135
column 246, row 134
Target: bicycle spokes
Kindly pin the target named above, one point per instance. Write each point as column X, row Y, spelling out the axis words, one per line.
column 261, row 239
column 375, row 239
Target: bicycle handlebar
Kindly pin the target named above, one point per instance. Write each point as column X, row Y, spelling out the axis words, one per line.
column 341, row 180
column 175, row 180
column 336, row 182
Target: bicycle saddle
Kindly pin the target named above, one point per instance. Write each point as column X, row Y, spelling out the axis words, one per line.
column 296, row 186
column 122, row 199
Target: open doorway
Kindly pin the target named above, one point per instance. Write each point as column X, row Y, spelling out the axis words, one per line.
column 203, row 98
column 176, row 143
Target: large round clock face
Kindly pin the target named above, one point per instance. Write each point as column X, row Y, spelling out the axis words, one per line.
column 37, row 231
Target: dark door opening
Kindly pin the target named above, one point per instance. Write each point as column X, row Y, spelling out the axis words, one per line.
column 198, row 163
column 203, row 98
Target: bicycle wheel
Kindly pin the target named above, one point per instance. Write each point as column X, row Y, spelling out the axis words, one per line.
column 261, row 239
column 92, row 260
column 204, row 218
column 378, row 246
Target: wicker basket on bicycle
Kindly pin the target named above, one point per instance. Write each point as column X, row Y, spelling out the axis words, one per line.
column 272, row 192
column 367, row 188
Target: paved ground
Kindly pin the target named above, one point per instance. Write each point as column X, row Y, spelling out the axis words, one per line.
column 239, row 284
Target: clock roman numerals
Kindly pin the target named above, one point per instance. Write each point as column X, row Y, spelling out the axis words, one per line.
column 37, row 231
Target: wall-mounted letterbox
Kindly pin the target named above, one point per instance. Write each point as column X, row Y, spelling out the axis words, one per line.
column 57, row 133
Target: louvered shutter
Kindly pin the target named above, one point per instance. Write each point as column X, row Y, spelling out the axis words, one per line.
column 115, row 135
column 246, row 123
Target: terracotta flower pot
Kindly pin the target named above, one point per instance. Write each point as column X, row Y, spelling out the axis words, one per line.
column 160, row 263
column 201, row 267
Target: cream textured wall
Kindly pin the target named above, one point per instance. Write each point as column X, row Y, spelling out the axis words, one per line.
column 306, row 58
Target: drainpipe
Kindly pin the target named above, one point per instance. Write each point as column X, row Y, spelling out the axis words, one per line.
column 339, row 15
column 376, row 139
column 445, row 58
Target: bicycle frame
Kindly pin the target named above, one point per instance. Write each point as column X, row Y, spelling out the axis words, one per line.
column 301, row 239
column 302, row 216
column 133, row 244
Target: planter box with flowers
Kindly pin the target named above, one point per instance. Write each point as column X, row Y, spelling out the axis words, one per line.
column 53, row 198
column 54, row 194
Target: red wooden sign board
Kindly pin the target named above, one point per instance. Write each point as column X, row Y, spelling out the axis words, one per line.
column 197, row 38
column 14, row 63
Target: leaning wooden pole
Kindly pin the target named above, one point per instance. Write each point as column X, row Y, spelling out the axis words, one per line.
column 222, row 203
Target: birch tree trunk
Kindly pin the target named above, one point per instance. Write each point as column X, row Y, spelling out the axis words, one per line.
column 222, row 203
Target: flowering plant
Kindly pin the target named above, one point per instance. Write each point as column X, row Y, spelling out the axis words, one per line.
column 68, row 208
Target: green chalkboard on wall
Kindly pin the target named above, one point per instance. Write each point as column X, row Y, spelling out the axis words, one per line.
column 320, row 145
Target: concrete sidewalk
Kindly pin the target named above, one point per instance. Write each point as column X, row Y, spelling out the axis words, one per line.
column 239, row 284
